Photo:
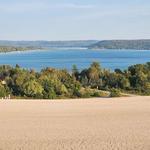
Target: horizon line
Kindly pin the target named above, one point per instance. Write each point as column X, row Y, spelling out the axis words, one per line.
column 77, row 40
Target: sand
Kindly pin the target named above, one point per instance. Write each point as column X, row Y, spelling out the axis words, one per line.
column 90, row 124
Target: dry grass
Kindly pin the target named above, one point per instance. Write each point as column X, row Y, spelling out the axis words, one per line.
column 94, row 124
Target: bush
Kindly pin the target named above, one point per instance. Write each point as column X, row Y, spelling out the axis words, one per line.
column 32, row 89
column 50, row 94
column 3, row 91
column 100, row 94
column 85, row 93
column 115, row 93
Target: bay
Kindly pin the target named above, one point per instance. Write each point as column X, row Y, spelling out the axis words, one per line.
column 66, row 57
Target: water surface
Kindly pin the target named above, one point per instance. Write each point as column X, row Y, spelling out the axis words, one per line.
column 65, row 58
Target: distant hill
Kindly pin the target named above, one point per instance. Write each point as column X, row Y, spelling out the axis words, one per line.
column 7, row 46
column 48, row 44
column 122, row 44
column 12, row 48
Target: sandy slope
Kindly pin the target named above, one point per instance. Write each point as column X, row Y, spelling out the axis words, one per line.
column 96, row 124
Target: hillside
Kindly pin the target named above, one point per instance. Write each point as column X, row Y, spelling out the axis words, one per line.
column 8, row 46
column 48, row 44
column 122, row 44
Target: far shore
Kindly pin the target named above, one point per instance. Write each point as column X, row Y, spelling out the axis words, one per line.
column 41, row 49
column 66, row 48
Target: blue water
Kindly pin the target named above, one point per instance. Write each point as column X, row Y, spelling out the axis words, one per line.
column 65, row 58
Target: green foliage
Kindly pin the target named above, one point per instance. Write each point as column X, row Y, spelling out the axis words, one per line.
column 75, row 71
column 91, row 82
column 85, row 93
column 115, row 93
column 3, row 91
column 88, row 92
column 99, row 93
column 50, row 94
column 32, row 89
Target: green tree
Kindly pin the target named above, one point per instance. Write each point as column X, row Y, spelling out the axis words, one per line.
column 94, row 73
column 32, row 89
column 3, row 91
column 75, row 72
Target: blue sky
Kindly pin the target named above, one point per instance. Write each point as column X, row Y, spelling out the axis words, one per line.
column 74, row 19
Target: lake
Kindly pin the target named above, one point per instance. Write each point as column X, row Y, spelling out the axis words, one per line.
column 66, row 57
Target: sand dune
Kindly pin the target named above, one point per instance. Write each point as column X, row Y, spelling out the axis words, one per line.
column 93, row 124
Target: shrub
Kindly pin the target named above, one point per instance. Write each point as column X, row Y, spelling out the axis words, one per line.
column 4, row 91
column 115, row 93
column 50, row 94
column 85, row 93
column 100, row 94
column 32, row 89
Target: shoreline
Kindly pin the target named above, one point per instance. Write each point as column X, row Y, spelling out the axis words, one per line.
column 46, row 48
column 79, row 99
column 70, row 48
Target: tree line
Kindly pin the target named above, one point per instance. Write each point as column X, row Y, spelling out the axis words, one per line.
column 94, row 81
column 122, row 44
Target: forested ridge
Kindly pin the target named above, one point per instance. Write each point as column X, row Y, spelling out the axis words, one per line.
column 8, row 46
column 122, row 44
column 48, row 44
column 94, row 81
